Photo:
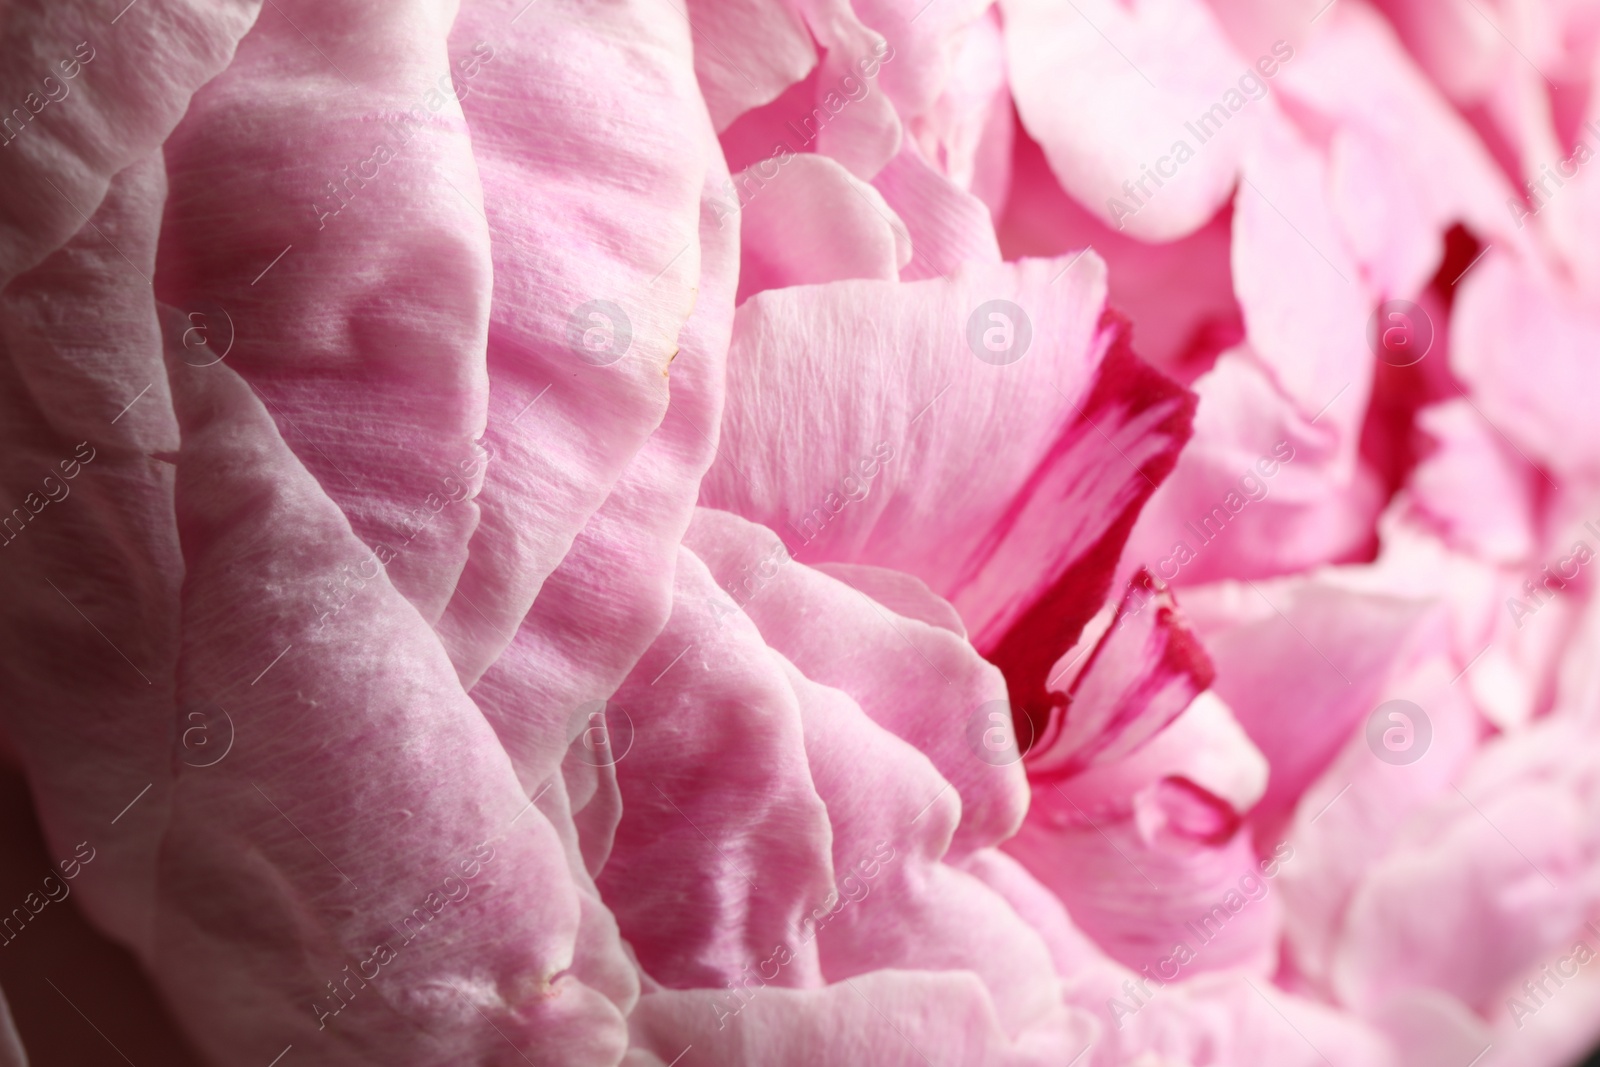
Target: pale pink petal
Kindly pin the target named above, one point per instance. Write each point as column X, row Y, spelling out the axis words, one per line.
column 365, row 339
column 1301, row 662
column 90, row 567
column 89, row 91
column 1473, row 488
column 926, row 40
column 967, row 132
column 1310, row 337
column 282, row 866
column 1403, row 165
column 887, row 1018
column 804, row 219
column 1142, row 849
column 1178, row 294
column 1350, row 819
column 948, row 226
column 610, row 597
column 894, row 903
column 595, row 259
column 1261, row 490
column 1112, row 91
column 1006, row 487
column 723, row 844
column 1509, row 851
column 1507, row 307
column 919, row 682
column 851, row 115
column 747, row 52
column 899, row 592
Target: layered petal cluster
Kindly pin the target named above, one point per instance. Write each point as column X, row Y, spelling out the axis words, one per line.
column 599, row 532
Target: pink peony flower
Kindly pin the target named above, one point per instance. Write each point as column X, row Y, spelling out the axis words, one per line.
column 858, row 531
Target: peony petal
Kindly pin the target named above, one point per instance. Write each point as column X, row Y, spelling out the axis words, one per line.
column 91, row 565
column 1301, row 662
column 580, row 262
column 919, row 682
column 1178, row 295
column 967, row 132
column 805, row 219
column 1312, row 337
column 137, row 77
column 1508, row 307
column 1509, row 850
column 365, row 339
column 610, row 598
column 1351, row 819
column 883, row 467
column 887, row 1018
column 278, row 877
column 773, row 47
column 1113, row 91
column 1473, row 488
column 1138, row 678
column 948, row 227
column 1260, row 491
column 723, row 843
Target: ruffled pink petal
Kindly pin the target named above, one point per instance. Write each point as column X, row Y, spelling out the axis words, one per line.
column 1111, row 93
column 947, row 225
column 1508, row 851
column 1141, row 848
column 1403, row 166
column 883, row 465
column 967, row 132
column 1310, row 337
column 1301, row 662
column 724, row 844
column 804, row 219
column 593, row 276
column 609, row 599
column 895, row 904
column 280, row 874
column 365, row 339
column 919, row 682
column 1122, row 685
column 128, row 75
column 90, row 567
column 1507, row 307
column 1261, row 490
column 1351, row 818
column 889, row 1018
column 1473, row 487
column 1178, row 295
column 747, row 52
